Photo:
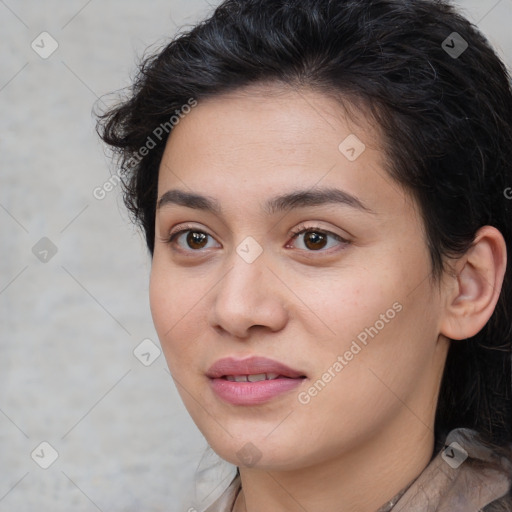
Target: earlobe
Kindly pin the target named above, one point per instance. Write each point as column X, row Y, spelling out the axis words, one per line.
column 475, row 288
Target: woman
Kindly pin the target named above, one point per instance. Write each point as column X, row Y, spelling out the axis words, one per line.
column 323, row 189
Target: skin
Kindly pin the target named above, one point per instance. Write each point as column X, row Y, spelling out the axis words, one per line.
column 369, row 432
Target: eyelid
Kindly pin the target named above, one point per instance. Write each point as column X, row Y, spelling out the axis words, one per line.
column 293, row 234
column 304, row 227
column 341, row 242
column 180, row 228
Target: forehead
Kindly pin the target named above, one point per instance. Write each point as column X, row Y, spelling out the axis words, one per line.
column 257, row 140
column 279, row 116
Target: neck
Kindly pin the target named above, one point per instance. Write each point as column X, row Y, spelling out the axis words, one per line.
column 358, row 481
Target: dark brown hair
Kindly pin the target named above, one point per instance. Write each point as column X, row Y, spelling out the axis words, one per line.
column 446, row 121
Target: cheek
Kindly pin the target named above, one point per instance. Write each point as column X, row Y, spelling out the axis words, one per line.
column 161, row 301
column 179, row 306
column 179, row 321
column 387, row 355
column 348, row 302
column 171, row 306
column 380, row 318
column 172, row 295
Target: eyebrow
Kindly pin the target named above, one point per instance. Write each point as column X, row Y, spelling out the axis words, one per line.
column 293, row 200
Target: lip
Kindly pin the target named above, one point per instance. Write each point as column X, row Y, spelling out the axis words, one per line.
column 250, row 366
column 252, row 393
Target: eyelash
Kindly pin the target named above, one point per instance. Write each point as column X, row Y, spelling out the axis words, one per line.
column 293, row 234
column 304, row 228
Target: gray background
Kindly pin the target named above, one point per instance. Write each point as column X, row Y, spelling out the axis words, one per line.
column 69, row 325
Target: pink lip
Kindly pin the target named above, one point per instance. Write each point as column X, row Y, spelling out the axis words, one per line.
column 252, row 393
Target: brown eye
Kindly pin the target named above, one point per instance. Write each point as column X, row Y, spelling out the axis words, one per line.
column 314, row 240
column 197, row 240
column 192, row 240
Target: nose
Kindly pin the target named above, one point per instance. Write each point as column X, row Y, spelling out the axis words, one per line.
column 249, row 297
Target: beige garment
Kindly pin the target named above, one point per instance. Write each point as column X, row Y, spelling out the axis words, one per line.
column 450, row 483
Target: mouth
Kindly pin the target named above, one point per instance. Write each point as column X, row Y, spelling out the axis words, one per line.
column 261, row 368
column 252, row 381
column 253, row 378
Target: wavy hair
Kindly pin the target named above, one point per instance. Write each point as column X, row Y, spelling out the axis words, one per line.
column 446, row 121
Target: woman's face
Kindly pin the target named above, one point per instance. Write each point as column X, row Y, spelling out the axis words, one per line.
column 291, row 283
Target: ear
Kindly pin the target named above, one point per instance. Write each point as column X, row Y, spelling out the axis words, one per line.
column 473, row 291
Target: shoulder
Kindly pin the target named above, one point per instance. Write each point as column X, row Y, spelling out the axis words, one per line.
column 467, row 474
